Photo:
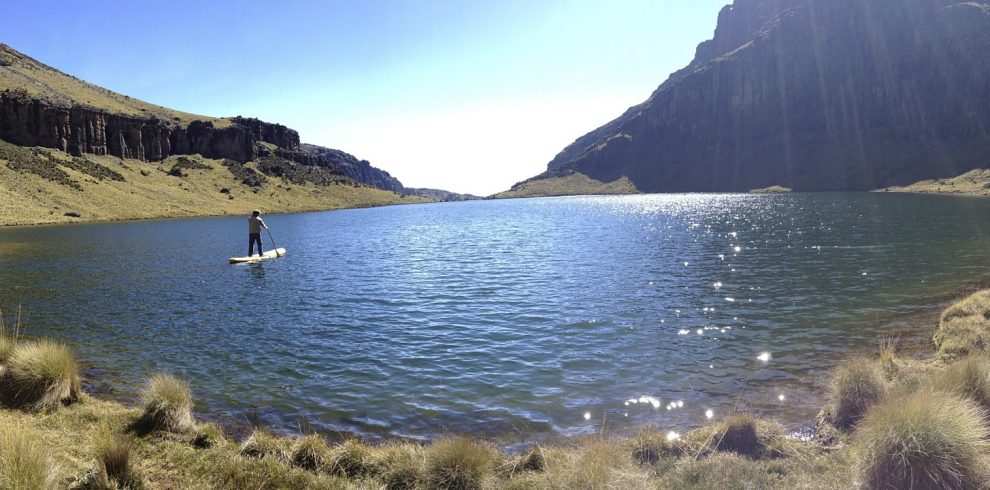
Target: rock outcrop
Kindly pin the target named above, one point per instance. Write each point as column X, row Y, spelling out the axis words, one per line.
column 812, row 95
column 41, row 106
column 75, row 130
column 344, row 164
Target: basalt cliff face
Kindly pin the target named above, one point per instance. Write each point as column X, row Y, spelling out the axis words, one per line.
column 77, row 130
column 41, row 106
column 812, row 95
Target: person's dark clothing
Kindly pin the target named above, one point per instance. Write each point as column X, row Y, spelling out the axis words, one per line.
column 252, row 237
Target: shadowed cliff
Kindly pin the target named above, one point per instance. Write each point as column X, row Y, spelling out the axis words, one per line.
column 812, row 95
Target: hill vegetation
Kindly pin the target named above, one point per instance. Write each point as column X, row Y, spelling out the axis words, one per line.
column 973, row 183
column 21, row 74
column 567, row 184
column 42, row 185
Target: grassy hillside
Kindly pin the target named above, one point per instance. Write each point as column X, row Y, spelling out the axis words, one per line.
column 573, row 184
column 774, row 189
column 973, row 183
column 41, row 185
column 21, row 73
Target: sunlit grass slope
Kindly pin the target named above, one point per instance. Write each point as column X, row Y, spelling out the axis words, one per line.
column 974, row 183
column 40, row 185
column 20, row 73
column 774, row 189
column 572, row 184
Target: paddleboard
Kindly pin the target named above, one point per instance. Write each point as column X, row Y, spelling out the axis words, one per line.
column 271, row 254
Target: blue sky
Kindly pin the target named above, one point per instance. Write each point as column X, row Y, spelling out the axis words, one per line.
column 469, row 96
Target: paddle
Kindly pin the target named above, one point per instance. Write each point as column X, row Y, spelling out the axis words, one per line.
column 274, row 247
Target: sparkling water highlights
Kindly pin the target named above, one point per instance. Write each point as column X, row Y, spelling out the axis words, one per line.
column 537, row 317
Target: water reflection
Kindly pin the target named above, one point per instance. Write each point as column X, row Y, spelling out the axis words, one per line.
column 257, row 272
column 550, row 316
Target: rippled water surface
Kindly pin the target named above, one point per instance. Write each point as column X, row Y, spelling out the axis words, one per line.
column 533, row 317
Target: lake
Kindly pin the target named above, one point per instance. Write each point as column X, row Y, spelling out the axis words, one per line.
column 529, row 319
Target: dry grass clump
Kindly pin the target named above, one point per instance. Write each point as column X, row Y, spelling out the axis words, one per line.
column 401, row 466
column 114, row 464
column 743, row 434
column 458, row 464
column 310, row 453
column 41, row 375
column 856, row 385
column 354, row 459
column 533, row 460
column 7, row 344
column 263, row 443
column 964, row 327
column 923, row 440
column 25, row 462
column 888, row 358
column 208, row 435
column 593, row 464
column 968, row 378
column 651, row 445
column 167, row 405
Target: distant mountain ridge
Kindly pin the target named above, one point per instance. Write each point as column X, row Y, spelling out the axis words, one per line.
column 41, row 106
column 812, row 95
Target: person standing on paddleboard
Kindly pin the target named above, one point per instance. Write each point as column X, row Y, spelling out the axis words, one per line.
column 255, row 224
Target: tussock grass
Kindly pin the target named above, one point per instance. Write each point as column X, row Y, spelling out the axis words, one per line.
column 458, row 464
column 115, row 467
column 25, row 462
column 888, row 358
column 402, row 466
column 263, row 443
column 923, row 440
column 592, row 464
column 354, row 459
column 856, row 385
column 651, row 445
column 969, row 379
column 964, row 327
column 167, row 405
column 7, row 345
column 209, row 435
column 743, row 434
column 41, row 375
column 310, row 453
column 533, row 460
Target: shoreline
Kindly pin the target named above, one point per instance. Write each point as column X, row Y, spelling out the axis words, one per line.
column 914, row 340
column 689, row 457
column 202, row 216
column 413, row 199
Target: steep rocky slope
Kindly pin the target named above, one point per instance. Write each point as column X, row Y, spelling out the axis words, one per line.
column 41, row 106
column 812, row 95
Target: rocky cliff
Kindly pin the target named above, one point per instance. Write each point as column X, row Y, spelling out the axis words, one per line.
column 75, row 130
column 813, row 95
column 344, row 164
column 41, row 106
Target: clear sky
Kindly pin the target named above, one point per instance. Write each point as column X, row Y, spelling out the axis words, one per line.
column 469, row 96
